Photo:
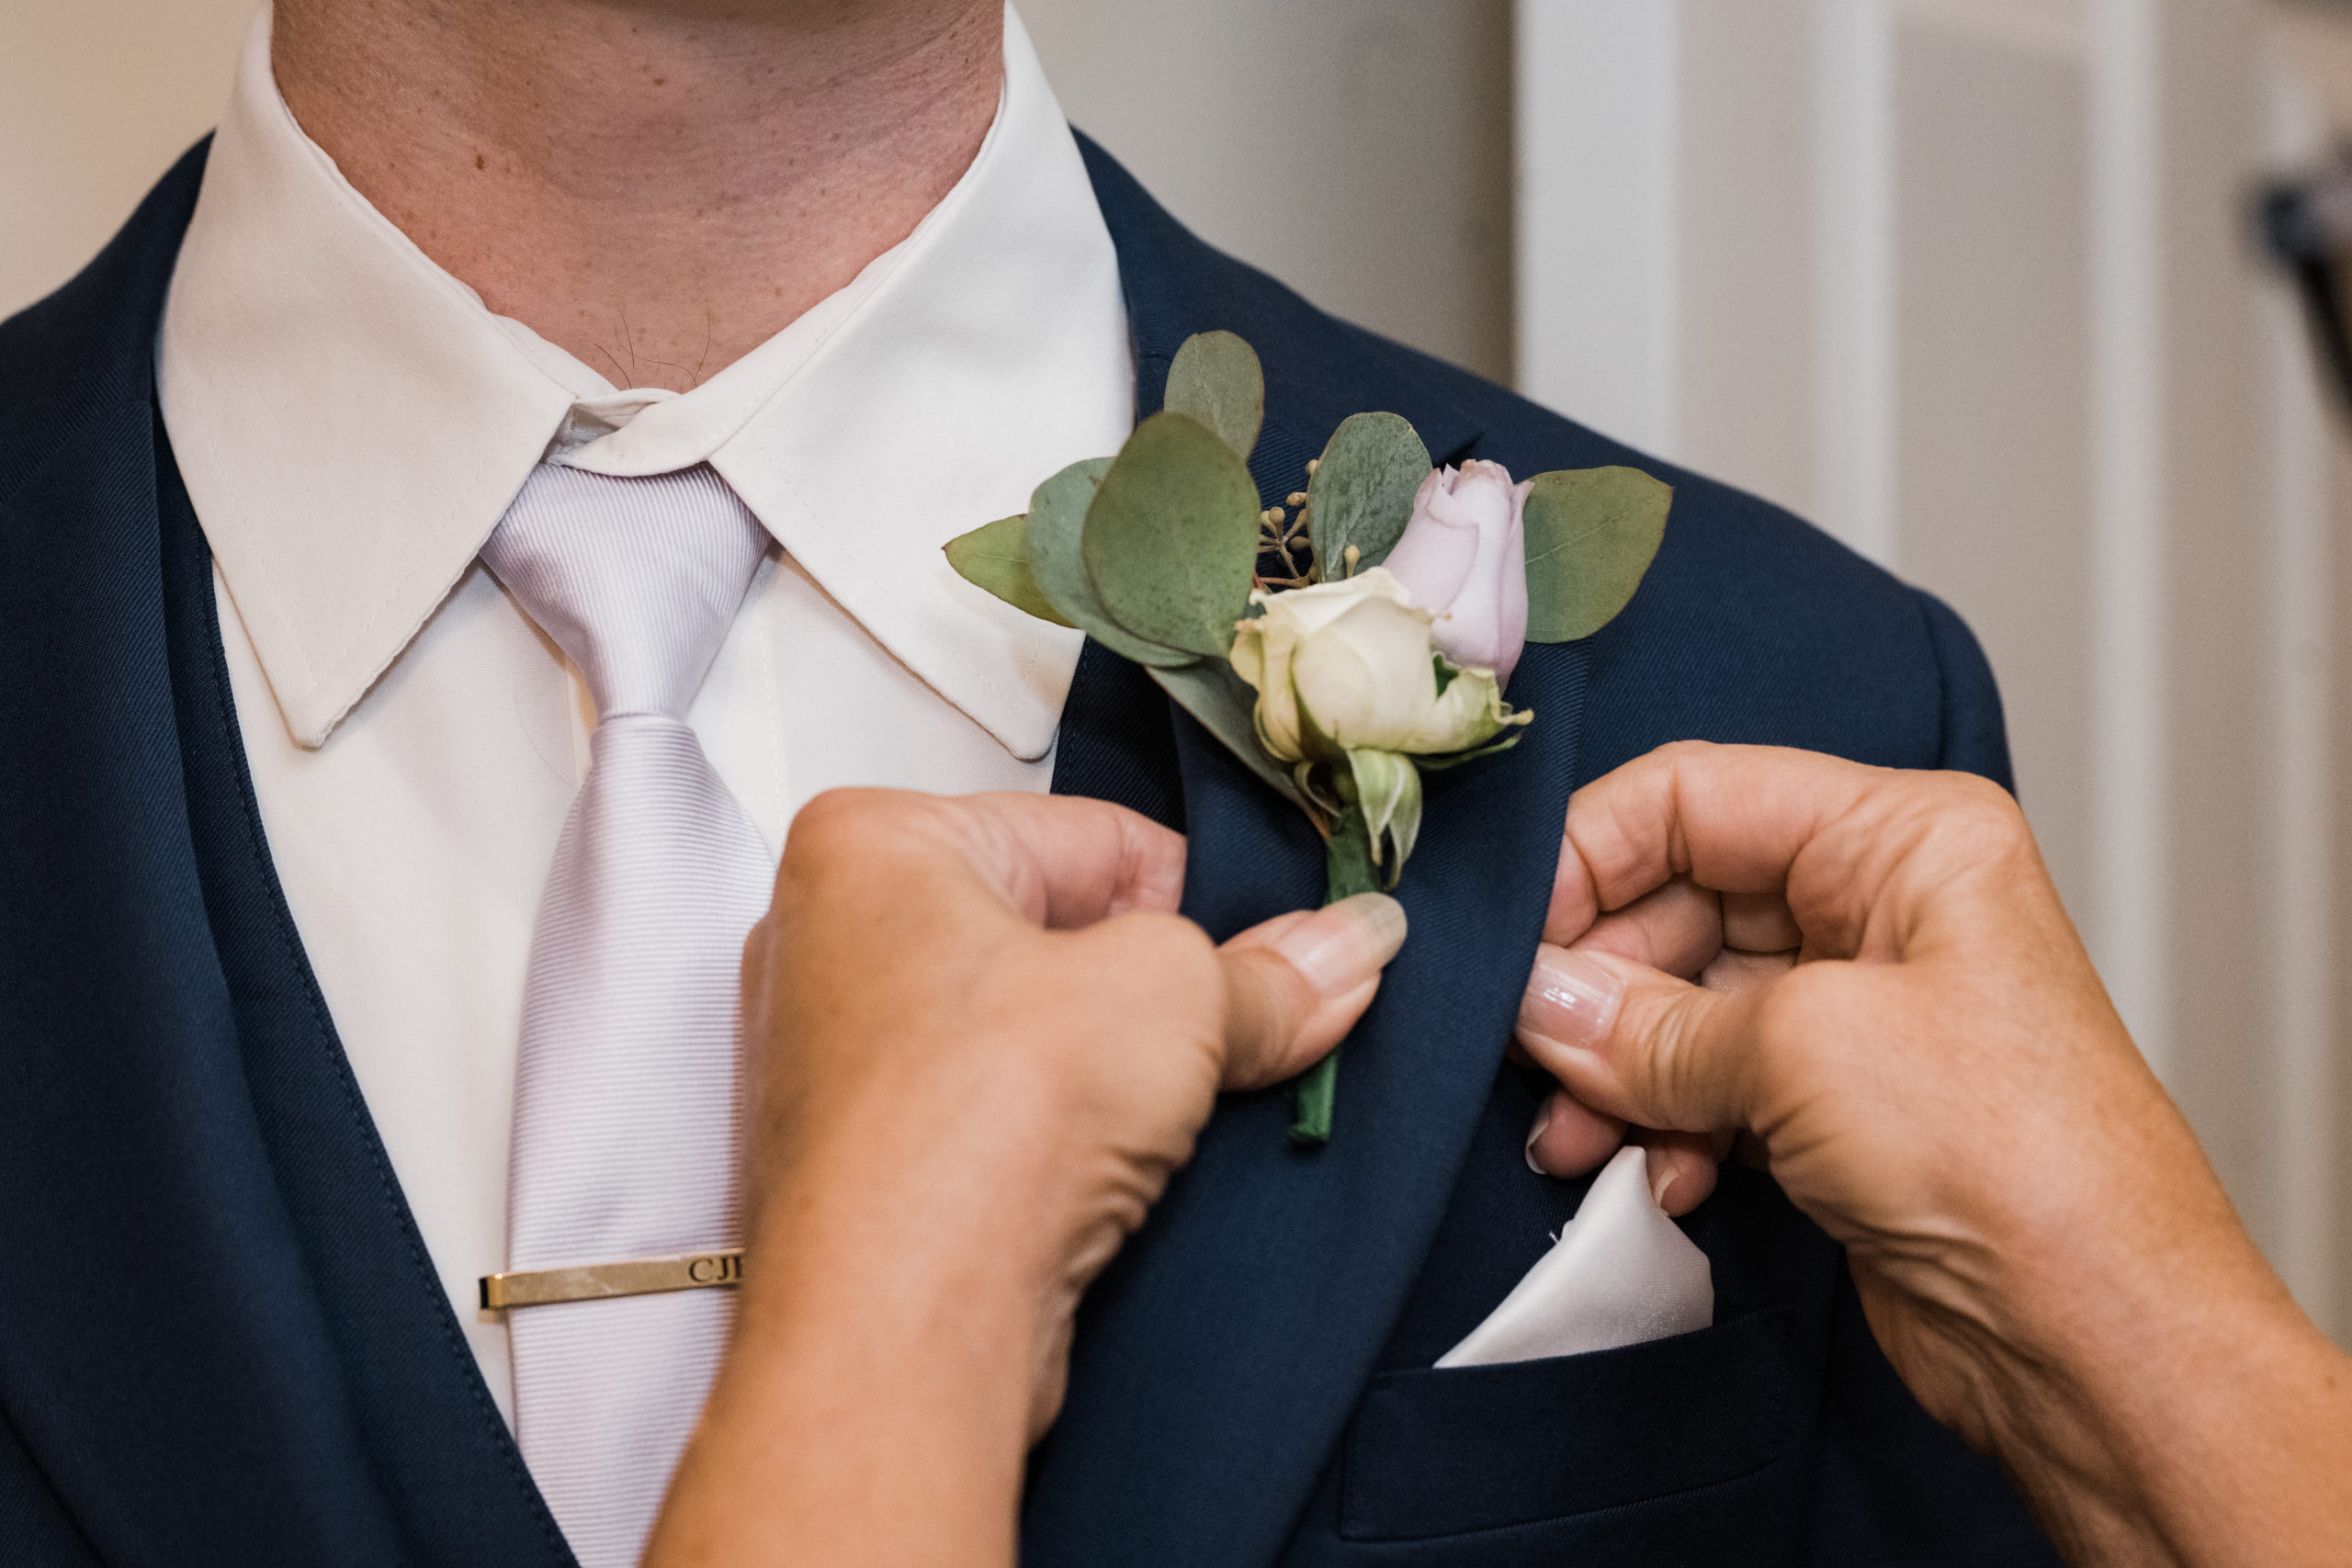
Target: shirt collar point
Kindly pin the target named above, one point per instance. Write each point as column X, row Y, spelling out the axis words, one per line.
column 311, row 717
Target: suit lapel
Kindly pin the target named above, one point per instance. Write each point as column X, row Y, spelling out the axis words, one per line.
column 166, row 1362
column 1217, row 1362
column 424, row 1421
column 219, row 1335
column 1116, row 742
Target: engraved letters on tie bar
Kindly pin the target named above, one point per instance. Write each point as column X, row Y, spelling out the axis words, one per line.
column 638, row 1277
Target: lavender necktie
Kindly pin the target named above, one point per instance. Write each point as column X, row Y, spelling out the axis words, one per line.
column 625, row 1094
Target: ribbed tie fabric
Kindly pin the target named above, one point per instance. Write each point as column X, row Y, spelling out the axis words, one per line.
column 626, row 1090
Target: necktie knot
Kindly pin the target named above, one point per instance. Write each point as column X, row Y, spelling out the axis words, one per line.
column 636, row 580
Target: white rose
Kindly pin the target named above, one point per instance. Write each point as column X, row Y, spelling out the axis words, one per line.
column 1349, row 666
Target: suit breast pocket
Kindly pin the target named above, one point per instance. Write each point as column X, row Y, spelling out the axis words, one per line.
column 1434, row 1453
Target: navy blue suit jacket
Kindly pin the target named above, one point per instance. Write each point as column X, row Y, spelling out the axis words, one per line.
column 221, row 1340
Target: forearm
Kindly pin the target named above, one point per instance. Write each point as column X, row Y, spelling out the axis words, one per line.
column 2193, row 1416
column 880, row 1388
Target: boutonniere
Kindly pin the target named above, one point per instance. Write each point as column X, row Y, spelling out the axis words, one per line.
column 1339, row 644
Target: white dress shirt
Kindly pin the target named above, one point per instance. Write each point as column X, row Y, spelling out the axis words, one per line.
column 352, row 422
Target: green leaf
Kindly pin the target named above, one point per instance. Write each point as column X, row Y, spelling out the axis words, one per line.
column 1389, row 793
column 1592, row 532
column 995, row 556
column 1361, row 492
column 1226, row 705
column 1170, row 541
column 1057, row 526
column 1216, row 378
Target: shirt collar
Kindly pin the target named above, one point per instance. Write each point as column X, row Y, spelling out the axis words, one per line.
column 352, row 422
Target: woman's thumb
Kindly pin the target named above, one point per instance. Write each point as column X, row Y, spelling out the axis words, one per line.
column 1296, row 983
column 1628, row 1040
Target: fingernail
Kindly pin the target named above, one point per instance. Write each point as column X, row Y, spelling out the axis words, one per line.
column 1344, row 944
column 1542, row 1120
column 1663, row 1177
column 1570, row 1000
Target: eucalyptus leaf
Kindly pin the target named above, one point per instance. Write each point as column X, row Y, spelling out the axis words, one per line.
column 995, row 556
column 1592, row 532
column 1361, row 491
column 1056, row 526
column 1216, row 379
column 1226, row 703
column 1171, row 540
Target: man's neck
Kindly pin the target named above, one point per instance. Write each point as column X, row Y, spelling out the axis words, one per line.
column 657, row 188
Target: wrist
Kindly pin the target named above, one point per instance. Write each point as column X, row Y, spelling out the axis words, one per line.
column 974, row 1180
column 984, row 1204
column 2154, row 1395
column 916, row 1254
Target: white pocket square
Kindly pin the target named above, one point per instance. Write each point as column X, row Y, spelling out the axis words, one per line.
column 1620, row 1273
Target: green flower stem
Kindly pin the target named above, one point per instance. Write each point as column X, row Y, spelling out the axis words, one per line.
column 1349, row 869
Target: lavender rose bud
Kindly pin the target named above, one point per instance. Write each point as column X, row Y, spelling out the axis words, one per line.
column 1463, row 557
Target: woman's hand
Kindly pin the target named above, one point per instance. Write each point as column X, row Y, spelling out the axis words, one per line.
column 983, row 1040
column 1933, row 1071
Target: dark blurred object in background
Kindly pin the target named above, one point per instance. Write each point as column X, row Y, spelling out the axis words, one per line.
column 2307, row 227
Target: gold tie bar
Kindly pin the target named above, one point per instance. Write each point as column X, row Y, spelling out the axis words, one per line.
column 593, row 1282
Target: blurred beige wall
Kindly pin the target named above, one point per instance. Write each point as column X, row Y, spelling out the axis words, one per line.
column 1359, row 149
column 97, row 98
column 2313, row 40
column 1272, row 127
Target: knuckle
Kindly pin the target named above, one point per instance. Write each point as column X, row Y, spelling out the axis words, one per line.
column 830, row 820
column 1978, row 801
column 1681, row 1064
column 1981, row 816
column 1649, row 1043
column 850, row 824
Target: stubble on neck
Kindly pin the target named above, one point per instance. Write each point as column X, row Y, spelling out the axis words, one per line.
column 656, row 188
